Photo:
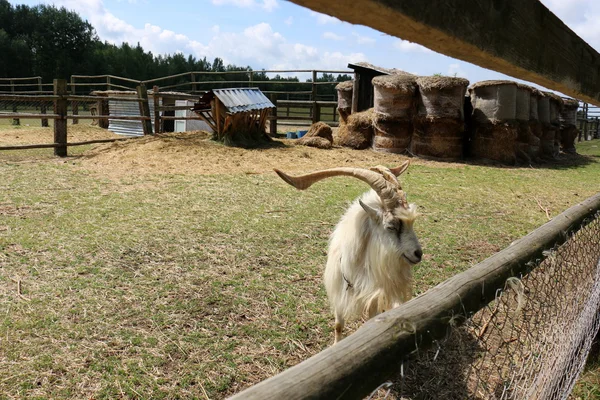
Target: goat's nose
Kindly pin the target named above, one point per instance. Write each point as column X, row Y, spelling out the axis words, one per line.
column 418, row 254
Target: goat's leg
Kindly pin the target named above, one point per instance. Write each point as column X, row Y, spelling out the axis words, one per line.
column 339, row 326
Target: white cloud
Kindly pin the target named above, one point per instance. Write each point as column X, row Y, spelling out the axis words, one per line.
column 332, row 36
column 323, row 19
column 289, row 21
column 456, row 69
column 407, row 47
column 363, row 39
column 267, row 5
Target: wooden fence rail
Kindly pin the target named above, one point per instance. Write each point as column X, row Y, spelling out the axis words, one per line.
column 357, row 365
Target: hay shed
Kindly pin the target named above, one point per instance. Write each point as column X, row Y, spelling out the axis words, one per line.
column 237, row 116
column 494, row 101
column 363, row 96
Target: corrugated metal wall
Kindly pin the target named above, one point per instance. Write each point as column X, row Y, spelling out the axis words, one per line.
column 127, row 108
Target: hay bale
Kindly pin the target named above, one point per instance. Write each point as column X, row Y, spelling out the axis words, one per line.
column 555, row 104
column 394, row 95
column 544, row 108
column 568, row 115
column 391, row 135
column 343, row 113
column 533, row 104
column 344, row 92
column 547, row 141
column 568, row 134
column 439, row 138
column 318, row 129
column 527, row 143
column 523, row 104
column 357, row 132
column 442, row 96
column 494, row 101
column 315, row 141
column 495, row 142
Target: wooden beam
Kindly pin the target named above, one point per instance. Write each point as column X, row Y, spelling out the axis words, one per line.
column 354, row 367
column 60, row 124
column 520, row 38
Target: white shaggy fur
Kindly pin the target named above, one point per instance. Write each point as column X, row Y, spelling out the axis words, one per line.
column 369, row 263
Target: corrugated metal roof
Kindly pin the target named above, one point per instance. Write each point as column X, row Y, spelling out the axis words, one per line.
column 127, row 108
column 243, row 99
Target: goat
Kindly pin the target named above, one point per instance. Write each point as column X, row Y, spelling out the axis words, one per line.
column 373, row 247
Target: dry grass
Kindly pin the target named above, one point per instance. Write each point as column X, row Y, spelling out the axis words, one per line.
column 173, row 266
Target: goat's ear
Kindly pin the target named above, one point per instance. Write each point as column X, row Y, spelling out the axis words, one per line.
column 373, row 213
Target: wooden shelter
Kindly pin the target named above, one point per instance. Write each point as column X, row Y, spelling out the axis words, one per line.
column 237, row 116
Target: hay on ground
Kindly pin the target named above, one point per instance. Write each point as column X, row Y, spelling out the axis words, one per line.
column 438, row 138
column 357, row 132
column 318, row 129
column 495, row 142
column 344, row 113
column 315, row 141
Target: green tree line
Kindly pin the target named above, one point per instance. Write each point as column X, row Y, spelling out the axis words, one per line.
column 52, row 42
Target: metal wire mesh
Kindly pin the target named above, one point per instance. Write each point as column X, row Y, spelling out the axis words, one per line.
column 532, row 341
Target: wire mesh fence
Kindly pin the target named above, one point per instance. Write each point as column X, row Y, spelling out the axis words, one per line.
column 531, row 342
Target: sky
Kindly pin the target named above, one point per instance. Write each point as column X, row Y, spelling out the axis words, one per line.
column 276, row 34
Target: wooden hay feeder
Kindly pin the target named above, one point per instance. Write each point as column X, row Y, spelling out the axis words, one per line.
column 237, row 116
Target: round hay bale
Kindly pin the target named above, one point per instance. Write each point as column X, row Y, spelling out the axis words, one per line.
column 568, row 134
column 523, row 102
column 315, row 141
column 357, row 132
column 391, row 135
column 544, row 109
column 344, row 93
column 568, row 115
column 344, row 113
column 394, row 95
column 495, row 142
column 439, row 138
column 442, row 96
column 555, row 106
column 494, row 101
column 547, row 141
column 533, row 104
column 527, row 142
column 318, row 129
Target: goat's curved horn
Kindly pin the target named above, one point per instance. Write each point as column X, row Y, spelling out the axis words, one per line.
column 386, row 190
column 399, row 170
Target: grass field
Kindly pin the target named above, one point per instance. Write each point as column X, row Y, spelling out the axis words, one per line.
column 174, row 267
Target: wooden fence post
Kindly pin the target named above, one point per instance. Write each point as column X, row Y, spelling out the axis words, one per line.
column 43, row 105
column 273, row 120
column 108, row 86
column 16, row 121
column 74, row 104
column 156, row 98
column 194, row 86
column 315, row 116
column 60, row 124
column 144, row 109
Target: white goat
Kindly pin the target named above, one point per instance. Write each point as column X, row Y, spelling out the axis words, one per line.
column 373, row 247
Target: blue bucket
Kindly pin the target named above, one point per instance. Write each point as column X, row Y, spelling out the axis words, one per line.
column 291, row 135
column 301, row 134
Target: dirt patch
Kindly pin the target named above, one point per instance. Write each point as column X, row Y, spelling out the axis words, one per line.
column 39, row 135
column 195, row 153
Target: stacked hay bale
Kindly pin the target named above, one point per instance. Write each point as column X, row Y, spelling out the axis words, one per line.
column 439, row 126
column 549, row 106
column 568, row 125
column 528, row 144
column 344, row 93
column 494, row 113
column 394, row 103
column 319, row 135
column 535, row 125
